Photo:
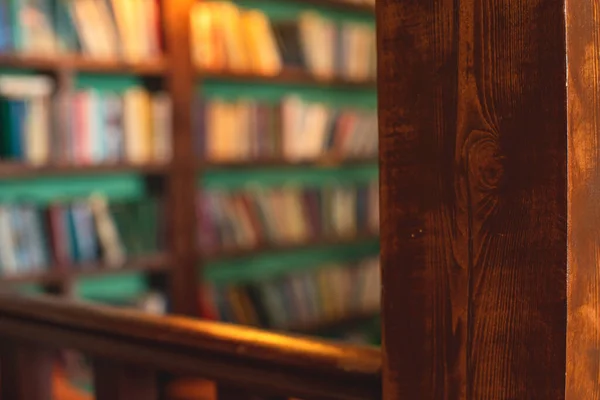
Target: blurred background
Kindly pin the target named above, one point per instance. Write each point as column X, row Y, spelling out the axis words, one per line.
column 206, row 158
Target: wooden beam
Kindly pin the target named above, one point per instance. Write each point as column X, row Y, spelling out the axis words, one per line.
column 473, row 132
column 181, row 187
column 583, row 334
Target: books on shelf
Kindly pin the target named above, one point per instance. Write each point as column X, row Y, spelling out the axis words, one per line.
column 25, row 113
column 326, row 48
column 109, row 127
column 299, row 300
column 227, row 38
column 293, row 130
column 78, row 233
column 103, row 127
column 127, row 30
column 247, row 219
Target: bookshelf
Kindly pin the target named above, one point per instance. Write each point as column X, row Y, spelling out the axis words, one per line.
column 288, row 77
column 179, row 181
column 82, row 64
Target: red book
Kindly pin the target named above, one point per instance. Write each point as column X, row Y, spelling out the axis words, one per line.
column 59, row 239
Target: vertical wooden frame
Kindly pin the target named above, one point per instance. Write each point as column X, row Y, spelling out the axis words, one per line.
column 182, row 176
column 473, row 146
column 25, row 371
column 583, row 333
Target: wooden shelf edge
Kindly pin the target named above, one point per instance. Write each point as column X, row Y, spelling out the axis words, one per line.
column 335, row 4
column 341, row 323
column 208, row 256
column 289, row 76
column 83, row 64
column 21, row 170
column 323, row 162
column 60, row 273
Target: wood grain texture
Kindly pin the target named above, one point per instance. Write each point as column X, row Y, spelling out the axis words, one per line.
column 583, row 337
column 473, row 178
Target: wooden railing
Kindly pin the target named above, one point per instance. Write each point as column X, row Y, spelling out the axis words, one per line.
column 130, row 349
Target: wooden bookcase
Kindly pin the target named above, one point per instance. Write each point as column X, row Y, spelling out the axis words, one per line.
column 182, row 261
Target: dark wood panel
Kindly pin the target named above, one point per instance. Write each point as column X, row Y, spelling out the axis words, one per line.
column 473, row 178
column 583, row 337
column 114, row 381
column 25, row 370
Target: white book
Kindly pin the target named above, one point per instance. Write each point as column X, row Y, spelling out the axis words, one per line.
column 14, row 86
column 106, row 28
column 317, row 119
column 8, row 257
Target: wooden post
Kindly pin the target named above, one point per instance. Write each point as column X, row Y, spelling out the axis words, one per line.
column 115, row 381
column 25, row 371
column 490, row 187
column 182, row 178
column 583, row 289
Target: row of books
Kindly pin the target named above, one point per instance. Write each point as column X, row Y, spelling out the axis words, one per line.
column 225, row 37
column 293, row 129
column 299, row 300
column 106, row 29
column 78, row 233
column 102, row 126
column 249, row 218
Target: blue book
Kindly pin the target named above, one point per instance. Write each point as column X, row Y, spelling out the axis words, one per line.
column 19, row 238
column 72, row 235
column 18, row 121
column 14, row 16
column 5, row 27
column 85, row 232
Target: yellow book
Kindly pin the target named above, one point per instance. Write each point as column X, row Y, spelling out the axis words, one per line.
column 236, row 306
column 259, row 40
column 206, row 37
column 146, row 131
column 124, row 12
column 230, row 20
column 138, row 133
column 325, row 294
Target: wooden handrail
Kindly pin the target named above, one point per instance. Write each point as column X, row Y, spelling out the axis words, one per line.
column 265, row 362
